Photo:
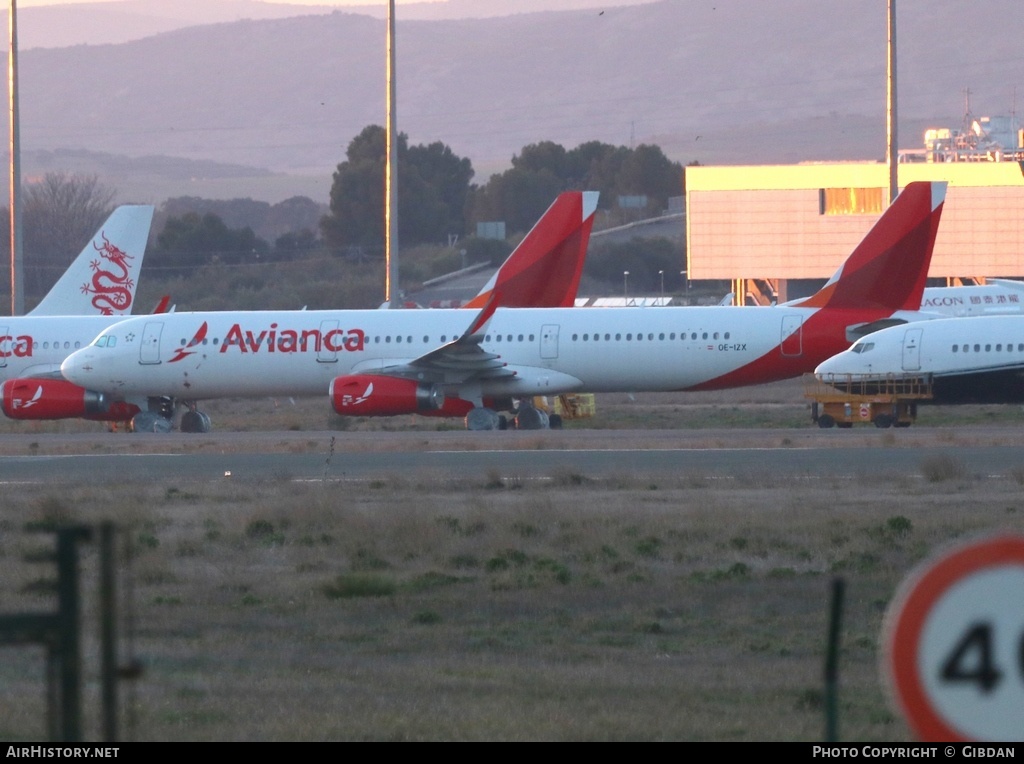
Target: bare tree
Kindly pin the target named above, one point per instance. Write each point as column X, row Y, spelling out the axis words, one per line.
column 61, row 213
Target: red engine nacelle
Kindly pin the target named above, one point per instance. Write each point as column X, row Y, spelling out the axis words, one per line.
column 369, row 395
column 57, row 399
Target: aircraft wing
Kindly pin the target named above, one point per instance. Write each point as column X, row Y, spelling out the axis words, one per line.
column 459, row 361
column 456, row 362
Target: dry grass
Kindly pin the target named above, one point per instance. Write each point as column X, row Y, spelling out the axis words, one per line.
column 589, row 607
column 598, row 607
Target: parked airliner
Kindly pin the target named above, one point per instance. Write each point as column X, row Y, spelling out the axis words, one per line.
column 442, row 362
column 969, row 360
column 96, row 290
column 996, row 297
column 544, row 271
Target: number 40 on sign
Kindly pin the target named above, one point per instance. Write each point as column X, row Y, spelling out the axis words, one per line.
column 953, row 644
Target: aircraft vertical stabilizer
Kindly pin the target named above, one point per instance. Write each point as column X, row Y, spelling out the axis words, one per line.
column 544, row 270
column 102, row 279
column 888, row 269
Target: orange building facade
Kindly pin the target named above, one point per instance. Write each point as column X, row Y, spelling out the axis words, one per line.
column 775, row 223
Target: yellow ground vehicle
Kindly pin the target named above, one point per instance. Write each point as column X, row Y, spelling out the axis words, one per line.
column 884, row 401
column 568, row 406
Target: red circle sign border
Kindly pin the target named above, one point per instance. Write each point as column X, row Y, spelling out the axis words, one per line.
column 906, row 617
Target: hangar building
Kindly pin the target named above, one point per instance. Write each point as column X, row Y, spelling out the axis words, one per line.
column 765, row 227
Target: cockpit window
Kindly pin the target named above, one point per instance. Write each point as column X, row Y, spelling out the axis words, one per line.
column 862, row 347
column 101, row 342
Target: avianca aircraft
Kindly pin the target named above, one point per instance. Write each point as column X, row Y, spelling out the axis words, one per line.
column 440, row 362
column 543, row 271
column 96, row 290
column 969, row 360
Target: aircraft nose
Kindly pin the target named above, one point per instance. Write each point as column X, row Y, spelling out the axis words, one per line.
column 831, row 366
column 76, row 366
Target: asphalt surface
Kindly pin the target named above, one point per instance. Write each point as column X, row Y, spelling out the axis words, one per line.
column 868, row 455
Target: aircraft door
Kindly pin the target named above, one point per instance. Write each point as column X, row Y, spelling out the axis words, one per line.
column 549, row 341
column 149, row 348
column 323, row 354
column 792, row 335
column 912, row 350
column 6, row 345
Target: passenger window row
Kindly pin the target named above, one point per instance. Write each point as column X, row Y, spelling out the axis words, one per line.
column 977, row 348
column 650, row 336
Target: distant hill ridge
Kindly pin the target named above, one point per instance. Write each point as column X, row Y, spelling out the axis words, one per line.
column 714, row 82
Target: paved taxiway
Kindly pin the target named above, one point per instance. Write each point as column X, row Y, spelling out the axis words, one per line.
column 354, row 456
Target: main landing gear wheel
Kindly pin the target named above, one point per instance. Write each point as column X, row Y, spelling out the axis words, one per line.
column 530, row 418
column 195, row 421
column 480, row 418
column 150, row 421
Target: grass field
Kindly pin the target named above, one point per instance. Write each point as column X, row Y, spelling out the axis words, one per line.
column 490, row 607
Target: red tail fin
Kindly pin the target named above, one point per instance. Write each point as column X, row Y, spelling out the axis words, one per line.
column 544, row 270
column 888, row 268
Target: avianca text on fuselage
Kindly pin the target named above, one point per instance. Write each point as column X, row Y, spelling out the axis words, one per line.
column 277, row 340
column 16, row 347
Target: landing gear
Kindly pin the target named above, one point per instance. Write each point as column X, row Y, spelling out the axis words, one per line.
column 150, row 421
column 195, row 421
column 480, row 418
column 530, row 418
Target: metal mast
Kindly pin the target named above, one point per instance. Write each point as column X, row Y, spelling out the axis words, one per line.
column 892, row 146
column 17, row 284
column 391, row 295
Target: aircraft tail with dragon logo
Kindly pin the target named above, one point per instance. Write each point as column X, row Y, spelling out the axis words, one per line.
column 103, row 278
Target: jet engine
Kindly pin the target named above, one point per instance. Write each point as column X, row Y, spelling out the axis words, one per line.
column 369, row 395
column 57, row 399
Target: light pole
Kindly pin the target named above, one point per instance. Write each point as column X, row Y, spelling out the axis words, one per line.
column 625, row 285
column 686, row 280
column 662, row 274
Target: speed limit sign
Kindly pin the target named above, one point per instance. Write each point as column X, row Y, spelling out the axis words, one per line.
column 953, row 644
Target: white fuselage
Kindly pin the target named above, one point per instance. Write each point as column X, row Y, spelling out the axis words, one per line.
column 943, row 347
column 35, row 346
column 551, row 350
column 999, row 297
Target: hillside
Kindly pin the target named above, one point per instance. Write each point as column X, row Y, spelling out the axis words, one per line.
column 710, row 81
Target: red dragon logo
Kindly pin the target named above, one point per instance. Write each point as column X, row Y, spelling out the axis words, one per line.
column 110, row 284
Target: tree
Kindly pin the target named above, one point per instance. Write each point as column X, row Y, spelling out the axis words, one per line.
column 545, row 155
column 646, row 170
column 448, row 176
column 268, row 221
column 433, row 184
column 60, row 214
column 643, row 258
column 546, row 169
column 517, row 196
column 194, row 240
